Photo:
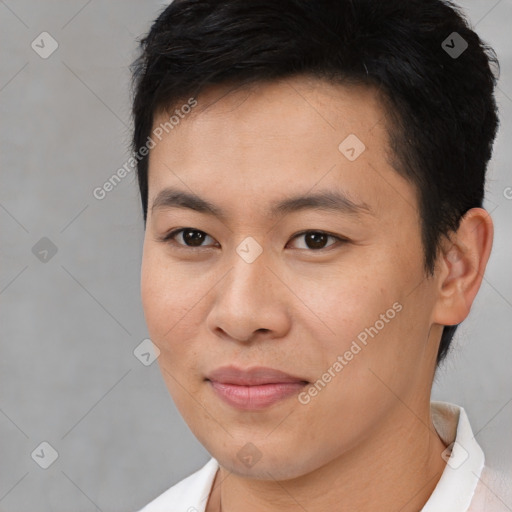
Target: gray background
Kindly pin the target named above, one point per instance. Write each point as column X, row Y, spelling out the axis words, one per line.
column 69, row 325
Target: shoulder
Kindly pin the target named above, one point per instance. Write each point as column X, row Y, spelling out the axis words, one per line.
column 189, row 495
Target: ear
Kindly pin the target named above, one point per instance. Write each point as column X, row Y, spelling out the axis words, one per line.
column 461, row 265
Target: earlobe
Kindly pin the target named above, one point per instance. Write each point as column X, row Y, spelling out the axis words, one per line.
column 461, row 266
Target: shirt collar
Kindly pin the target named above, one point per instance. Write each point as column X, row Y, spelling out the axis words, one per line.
column 464, row 460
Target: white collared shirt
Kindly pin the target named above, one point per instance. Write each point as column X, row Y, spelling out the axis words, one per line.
column 466, row 485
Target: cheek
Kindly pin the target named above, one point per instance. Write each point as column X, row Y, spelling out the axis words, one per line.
column 377, row 347
column 175, row 305
column 169, row 320
column 345, row 302
column 364, row 315
column 154, row 299
column 166, row 301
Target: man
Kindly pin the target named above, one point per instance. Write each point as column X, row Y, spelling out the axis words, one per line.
column 312, row 179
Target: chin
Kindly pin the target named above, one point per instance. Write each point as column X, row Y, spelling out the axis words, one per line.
column 266, row 463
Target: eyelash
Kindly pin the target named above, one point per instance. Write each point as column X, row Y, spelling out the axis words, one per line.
column 169, row 238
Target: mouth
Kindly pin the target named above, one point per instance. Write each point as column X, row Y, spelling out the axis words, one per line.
column 254, row 388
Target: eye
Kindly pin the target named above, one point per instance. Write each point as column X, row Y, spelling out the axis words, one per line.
column 190, row 237
column 316, row 240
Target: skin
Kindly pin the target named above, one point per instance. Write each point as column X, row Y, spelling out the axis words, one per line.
column 366, row 440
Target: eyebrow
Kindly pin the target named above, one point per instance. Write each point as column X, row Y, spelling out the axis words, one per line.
column 326, row 200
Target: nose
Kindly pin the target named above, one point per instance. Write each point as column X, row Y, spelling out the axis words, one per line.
column 250, row 302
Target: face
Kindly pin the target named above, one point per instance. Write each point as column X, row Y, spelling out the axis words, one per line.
column 291, row 330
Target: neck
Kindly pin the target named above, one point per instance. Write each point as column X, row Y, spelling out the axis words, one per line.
column 397, row 468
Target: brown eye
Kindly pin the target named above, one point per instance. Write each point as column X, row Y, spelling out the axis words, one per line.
column 193, row 237
column 317, row 240
column 187, row 237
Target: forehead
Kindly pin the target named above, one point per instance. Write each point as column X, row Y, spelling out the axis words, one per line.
column 246, row 144
column 305, row 102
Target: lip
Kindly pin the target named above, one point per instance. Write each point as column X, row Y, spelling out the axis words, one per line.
column 253, row 376
column 253, row 388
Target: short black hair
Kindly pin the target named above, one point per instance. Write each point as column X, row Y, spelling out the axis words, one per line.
column 438, row 94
